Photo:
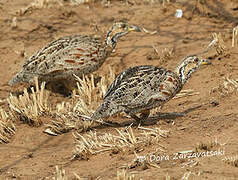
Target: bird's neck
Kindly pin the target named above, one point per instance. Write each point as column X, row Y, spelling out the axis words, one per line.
column 111, row 40
column 183, row 73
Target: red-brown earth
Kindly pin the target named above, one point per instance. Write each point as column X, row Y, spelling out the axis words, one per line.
column 210, row 116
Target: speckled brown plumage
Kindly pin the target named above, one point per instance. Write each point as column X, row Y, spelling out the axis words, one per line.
column 78, row 54
column 141, row 88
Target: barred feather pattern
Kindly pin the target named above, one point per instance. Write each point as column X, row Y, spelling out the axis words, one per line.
column 60, row 59
column 66, row 56
column 137, row 89
column 141, row 88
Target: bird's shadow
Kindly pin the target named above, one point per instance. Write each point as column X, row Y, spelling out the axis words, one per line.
column 151, row 120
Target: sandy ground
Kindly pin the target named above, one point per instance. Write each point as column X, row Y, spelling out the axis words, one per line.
column 210, row 116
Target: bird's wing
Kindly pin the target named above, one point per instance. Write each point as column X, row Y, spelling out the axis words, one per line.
column 135, row 86
column 67, row 53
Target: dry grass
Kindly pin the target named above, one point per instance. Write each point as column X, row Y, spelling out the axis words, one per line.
column 14, row 22
column 94, row 142
column 39, row 4
column 216, row 43
column 209, row 145
column 232, row 160
column 191, row 175
column 227, row 87
column 163, row 55
column 90, row 96
column 7, row 127
column 127, row 2
column 125, row 175
column 29, row 107
column 234, row 36
column 230, row 85
column 85, row 100
column 77, row 2
column 219, row 43
column 60, row 174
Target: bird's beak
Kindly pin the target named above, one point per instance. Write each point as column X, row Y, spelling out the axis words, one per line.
column 205, row 62
column 134, row 28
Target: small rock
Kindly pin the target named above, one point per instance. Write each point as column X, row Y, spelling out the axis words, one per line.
column 214, row 103
column 48, row 131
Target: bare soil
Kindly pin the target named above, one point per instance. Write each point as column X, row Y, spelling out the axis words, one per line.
column 210, row 116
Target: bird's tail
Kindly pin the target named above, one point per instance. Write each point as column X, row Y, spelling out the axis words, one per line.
column 16, row 79
column 108, row 108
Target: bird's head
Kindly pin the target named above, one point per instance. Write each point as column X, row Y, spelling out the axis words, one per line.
column 188, row 65
column 118, row 30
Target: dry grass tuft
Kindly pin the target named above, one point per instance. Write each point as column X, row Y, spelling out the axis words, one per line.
column 163, row 56
column 232, row 160
column 29, row 107
column 228, row 86
column 63, row 123
column 94, row 142
column 90, row 96
column 84, row 101
column 60, row 174
column 39, row 4
column 124, row 175
column 7, row 128
column 208, row 146
column 234, row 36
column 217, row 43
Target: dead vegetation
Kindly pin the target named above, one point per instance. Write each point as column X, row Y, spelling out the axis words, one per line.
column 217, row 43
column 7, row 127
column 228, row 86
column 125, row 175
column 232, row 160
column 39, row 4
column 123, row 139
column 234, row 36
column 60, row 174
column 77, row 2
column 128, row 2
column 88, row 95
column 85, row 99
column 163, row 55
column 209, row 145
column 29, row 107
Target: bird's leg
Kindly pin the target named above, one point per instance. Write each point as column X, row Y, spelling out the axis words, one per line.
column 135, row 117
column 143, row 116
